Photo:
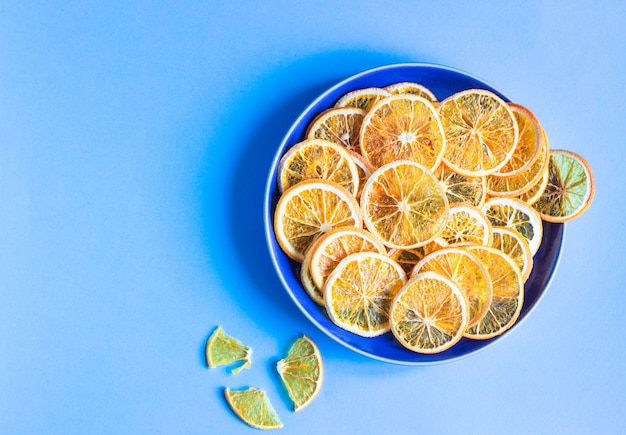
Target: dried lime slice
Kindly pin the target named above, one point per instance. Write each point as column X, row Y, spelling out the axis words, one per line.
column 222, row 349
column 253, row 407
column 302, row 372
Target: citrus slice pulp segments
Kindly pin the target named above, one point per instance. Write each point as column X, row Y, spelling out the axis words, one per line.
column 480, row 130
column 362, row 98
column 529, row 143
column 359, row 291
column 513, row 213
column 429, row 314
column 411, row 88
column 402, row 127
column 461, row 188
column 508, row 293
column 222, row 348
column 510, row 242
column 302, row 372
column 334, row 246
column 532, row 195
column 404, row 205
column 253, row 407
column 318, row 159
column 340, row 125
column 466, row 272
column 466, row 225
column 570, row 188
column 406, row 258
column 309, row 209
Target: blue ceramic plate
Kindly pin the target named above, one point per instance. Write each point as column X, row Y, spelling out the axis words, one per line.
column 442, row 81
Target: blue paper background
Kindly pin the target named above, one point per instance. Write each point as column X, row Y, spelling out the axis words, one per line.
column 135, row 143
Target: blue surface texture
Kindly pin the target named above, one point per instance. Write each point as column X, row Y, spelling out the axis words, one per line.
column 136, row 139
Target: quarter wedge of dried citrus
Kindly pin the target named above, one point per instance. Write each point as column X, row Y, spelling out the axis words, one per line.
column 480, row 130
column 402, row 127
column 222, row 348
column 253, row 407
column 318, row 159
column 302, row 372
column 429, row 314
column 404, row 205
column 340, row 125
column 508, row 293
column 359, row 291
column 570, row 188
column 309, row 209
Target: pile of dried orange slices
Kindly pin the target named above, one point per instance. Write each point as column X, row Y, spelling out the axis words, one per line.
column 422, row 217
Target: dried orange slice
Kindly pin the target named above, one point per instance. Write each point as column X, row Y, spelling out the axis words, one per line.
column 532, row 195
column 411, row 88
column 529, row 143
column 523, row 181
column 364, row 169
column 466, row 225
column 402, row 127
column 508, row 293
column 570, row 188
column 309, row 209
column 314, row 292
column 429, row 314
column 407, row 258
column 404, row 205
column 334, row 246
column 467, row 272
column 480, row 130
column 318, row 159
column 340, row 125
column 513, row 213
column 359, row 291
column 510, row 242
column 461, row 188
column 362, row 98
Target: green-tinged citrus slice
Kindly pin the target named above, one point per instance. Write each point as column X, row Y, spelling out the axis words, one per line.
column 508, row 293
column 302, row 372
column 480, row 130
column 359, row 291
column 411, row 88
column 402, row 127
column 309, row 209
column 253, row 407
column 509, row 241
column 222, row 349
column 429, row 314
column 404, row 205
column 340, row 125
column 466, row 272
column 466, row 225
column 513, row 213
column 362, row 98
column 570, row 188
column 318, row 159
